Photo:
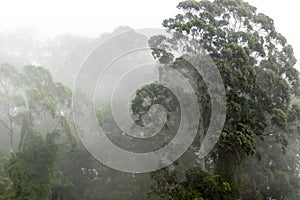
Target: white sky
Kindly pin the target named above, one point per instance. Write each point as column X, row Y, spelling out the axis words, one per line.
column 93, row 17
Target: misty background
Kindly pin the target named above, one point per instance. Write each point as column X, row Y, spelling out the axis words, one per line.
column 59, row 35
column 33, row 30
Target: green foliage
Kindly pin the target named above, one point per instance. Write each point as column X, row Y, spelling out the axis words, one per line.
column 197, row 184
column 257, row 68
column 5, row 183
column 29, row 99
column 11, row 102
column 274, row 172
column 31, row 169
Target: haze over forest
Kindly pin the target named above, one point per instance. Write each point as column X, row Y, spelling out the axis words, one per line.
column 206, row 107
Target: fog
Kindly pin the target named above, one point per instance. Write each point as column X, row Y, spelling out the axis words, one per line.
column 48, row 19
column 98, row 100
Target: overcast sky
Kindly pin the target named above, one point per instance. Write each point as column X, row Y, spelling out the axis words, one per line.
column 93, row 17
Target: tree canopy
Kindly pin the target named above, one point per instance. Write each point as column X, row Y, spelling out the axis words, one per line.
column 257, row 66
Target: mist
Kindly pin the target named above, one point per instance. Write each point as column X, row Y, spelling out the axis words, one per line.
column 173, row 100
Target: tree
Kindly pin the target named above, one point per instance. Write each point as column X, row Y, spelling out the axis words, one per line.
column 198, row 184
column 31, row 170
column 5, row 183
column 274, row 171
column 255, row 62
column 12, row 102
column 38, row 109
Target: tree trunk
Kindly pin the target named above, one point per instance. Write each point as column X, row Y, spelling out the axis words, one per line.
column 201, row 138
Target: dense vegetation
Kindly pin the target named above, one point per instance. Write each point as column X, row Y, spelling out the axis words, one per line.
column 256, row 157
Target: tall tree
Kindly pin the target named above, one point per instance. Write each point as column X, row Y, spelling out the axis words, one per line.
column 255, row 62
column 11, row 102
column 38, row 110
column 274, row 171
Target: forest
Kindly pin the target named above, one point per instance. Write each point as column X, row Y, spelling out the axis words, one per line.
column 216, row 116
